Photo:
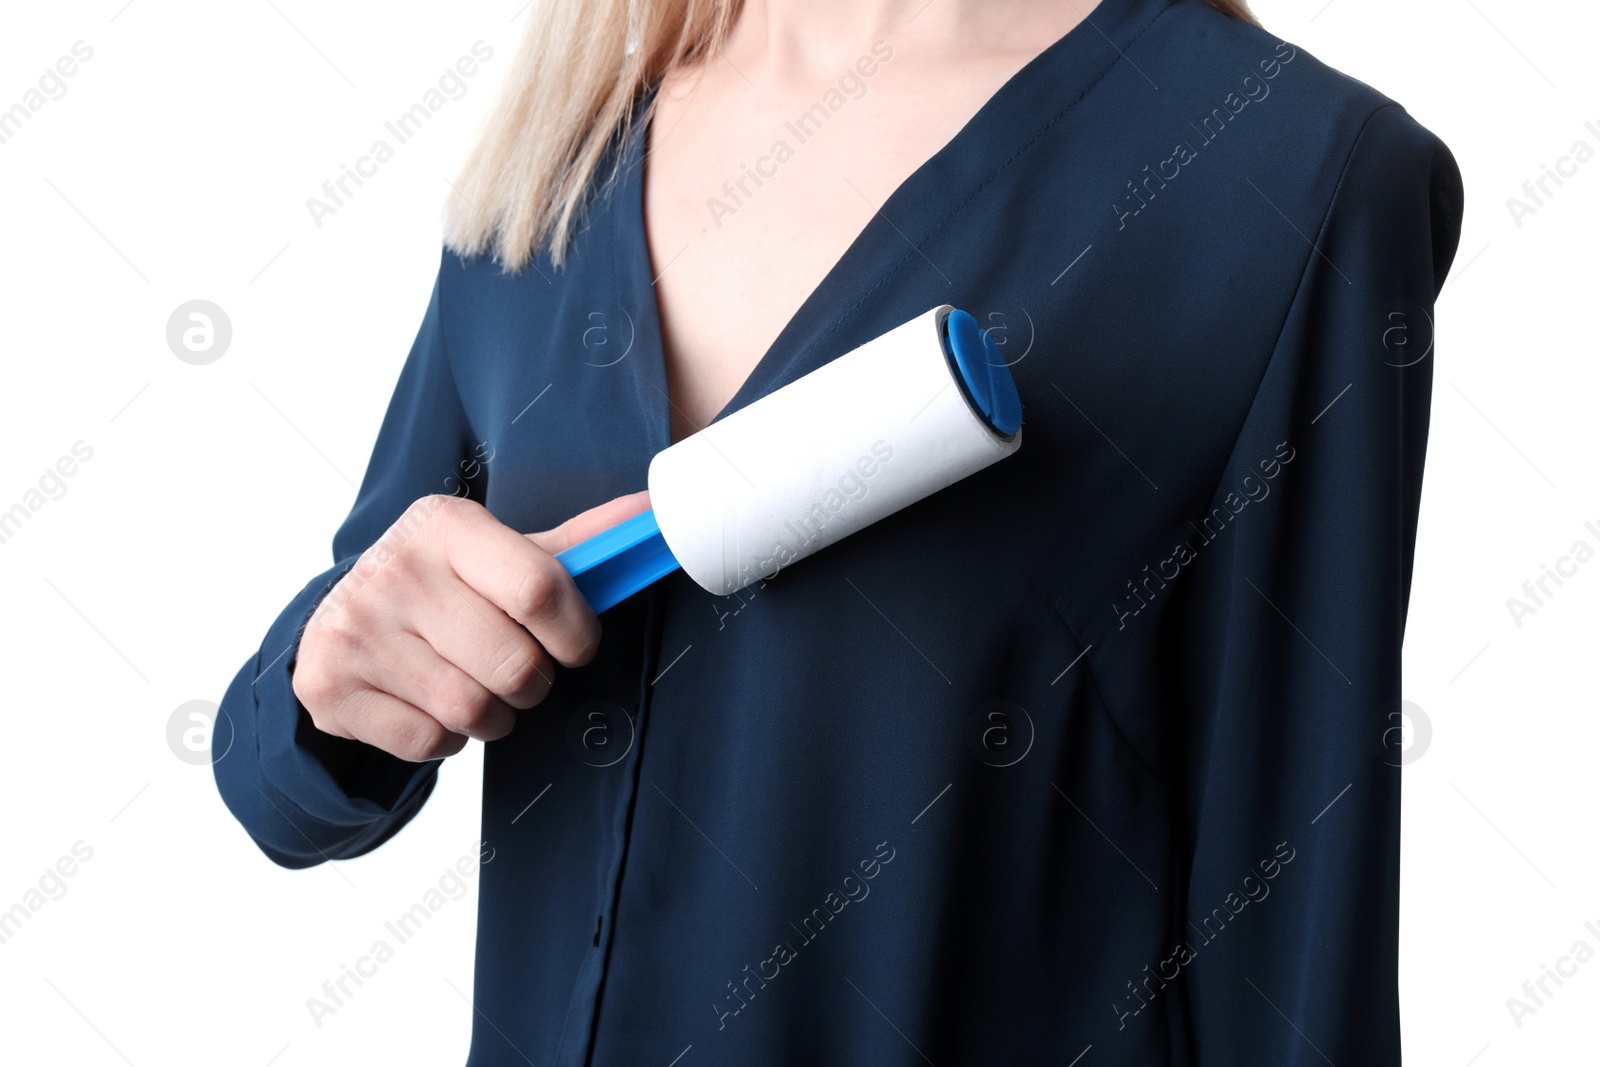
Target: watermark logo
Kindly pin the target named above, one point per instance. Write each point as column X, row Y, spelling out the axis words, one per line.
column 453, row 884
column 1012, row 331
column 51, row 886
column 807, row 528
column 1148, row 585
column 603, row 338
column 1000, row 733
column 1566, row 967
column 1406, row 735
column 600, row 733
column 451, row 85
column 1536, row 592
column 50, row 86
column 852, row 888
column 737, row 191
column 1566, row 167
column 199, row 332
column 1142, row 188
column 199, row 733
column 1253, row 888
column 1407, row 337
column 52, row 485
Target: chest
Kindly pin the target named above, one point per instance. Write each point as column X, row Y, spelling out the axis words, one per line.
column 750, row 201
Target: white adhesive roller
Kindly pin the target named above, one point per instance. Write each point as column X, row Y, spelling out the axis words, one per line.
column 855, row 440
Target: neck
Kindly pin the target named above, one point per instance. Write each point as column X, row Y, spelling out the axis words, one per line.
column 800, row 40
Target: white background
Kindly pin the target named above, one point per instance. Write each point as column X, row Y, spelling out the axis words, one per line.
column 177, row 166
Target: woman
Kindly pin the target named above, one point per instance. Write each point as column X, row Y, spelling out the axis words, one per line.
column 1086, row 756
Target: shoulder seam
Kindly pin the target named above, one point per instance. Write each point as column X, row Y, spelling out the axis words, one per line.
column 844, row 316
column 1299, row 290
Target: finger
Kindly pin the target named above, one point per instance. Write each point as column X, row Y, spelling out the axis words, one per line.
column 487, row 644
column 407, row 668
column 586, row 524
column 398, row 728
column 522, row 580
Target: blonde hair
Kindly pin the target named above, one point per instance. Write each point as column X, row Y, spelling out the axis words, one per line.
column 565, row 99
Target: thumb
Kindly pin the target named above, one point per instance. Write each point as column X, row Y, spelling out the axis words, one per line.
column 586, row 524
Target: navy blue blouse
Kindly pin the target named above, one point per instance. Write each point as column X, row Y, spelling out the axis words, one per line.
column 1090, row 755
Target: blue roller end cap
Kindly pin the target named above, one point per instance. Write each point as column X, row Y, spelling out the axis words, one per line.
column 985, row 376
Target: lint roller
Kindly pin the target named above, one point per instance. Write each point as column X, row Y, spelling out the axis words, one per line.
column 857, row 439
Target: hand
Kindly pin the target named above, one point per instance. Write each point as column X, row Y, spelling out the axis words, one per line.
column 446, row 627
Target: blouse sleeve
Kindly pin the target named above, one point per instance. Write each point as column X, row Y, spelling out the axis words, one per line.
column 302, row 795
column 1288, row 646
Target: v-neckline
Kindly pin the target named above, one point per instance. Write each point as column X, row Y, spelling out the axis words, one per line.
column 1117, row 20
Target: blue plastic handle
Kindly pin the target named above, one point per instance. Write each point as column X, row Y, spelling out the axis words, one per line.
column 614, row 564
